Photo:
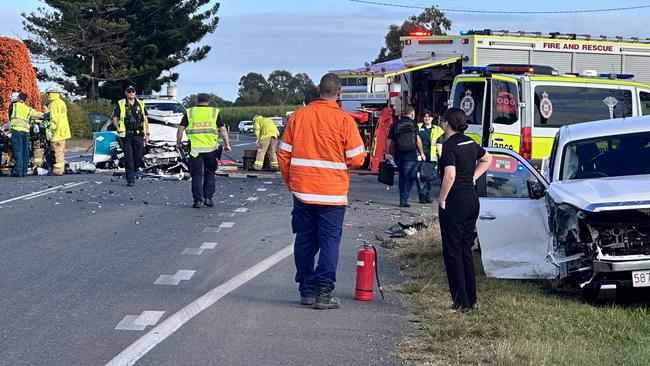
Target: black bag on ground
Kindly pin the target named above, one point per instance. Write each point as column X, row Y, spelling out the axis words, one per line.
column 386, row 173
column 406, row 140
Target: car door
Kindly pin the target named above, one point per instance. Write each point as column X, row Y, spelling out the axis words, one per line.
column 513, row 220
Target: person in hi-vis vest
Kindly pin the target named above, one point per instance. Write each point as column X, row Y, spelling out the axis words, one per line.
column 130, row 120
column 201, row 125
column 20, row 120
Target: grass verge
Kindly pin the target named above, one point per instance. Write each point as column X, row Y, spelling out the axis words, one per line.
column 518, row 323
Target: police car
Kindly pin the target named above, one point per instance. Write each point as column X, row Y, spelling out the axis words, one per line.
column 587, row 219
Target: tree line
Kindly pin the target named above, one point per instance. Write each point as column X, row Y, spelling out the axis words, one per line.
column 280, row 88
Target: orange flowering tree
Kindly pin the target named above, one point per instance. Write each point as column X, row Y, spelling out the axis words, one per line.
column 16, row 75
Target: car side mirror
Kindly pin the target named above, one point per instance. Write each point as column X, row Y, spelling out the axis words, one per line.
column 536, row 189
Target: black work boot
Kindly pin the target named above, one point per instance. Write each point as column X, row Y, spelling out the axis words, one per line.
column 307, row 300
column 208, row 202
column 423, row 199
column 197, row 204
column 324, row 299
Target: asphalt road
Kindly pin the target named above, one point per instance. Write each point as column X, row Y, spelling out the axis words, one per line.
column 94, row 272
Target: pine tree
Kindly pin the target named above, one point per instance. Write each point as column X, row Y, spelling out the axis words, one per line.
column 98, row 46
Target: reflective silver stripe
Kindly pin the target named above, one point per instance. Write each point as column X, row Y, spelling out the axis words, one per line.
column 318, row 164
column 354, row 152
column 204, row 149
column 200, row 130
column 286, row 147
column 321, row 197
column 214, row 112
column 189, row 113
column 465, row 143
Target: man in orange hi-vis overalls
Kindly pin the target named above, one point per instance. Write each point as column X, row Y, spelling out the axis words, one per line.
column 320, row 143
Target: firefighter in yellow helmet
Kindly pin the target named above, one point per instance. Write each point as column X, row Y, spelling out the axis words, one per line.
column 267, row 134
column 201, row 124
column 59, row 129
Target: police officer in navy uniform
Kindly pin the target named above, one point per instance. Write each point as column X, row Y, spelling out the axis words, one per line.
column 462, row 162
column 130, row 120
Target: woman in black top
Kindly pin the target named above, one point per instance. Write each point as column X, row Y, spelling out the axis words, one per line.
column 461, row 163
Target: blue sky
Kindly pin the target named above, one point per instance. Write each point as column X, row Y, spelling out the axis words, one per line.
column 319, row 35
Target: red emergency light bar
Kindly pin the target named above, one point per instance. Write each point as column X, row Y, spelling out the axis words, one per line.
column 511, row 69
column 435, row 41
column 419, row 33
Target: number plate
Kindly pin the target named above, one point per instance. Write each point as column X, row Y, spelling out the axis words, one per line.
column 641, row 278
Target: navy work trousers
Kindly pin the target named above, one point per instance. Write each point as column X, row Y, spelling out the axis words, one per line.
column 133, row 147
column 406, row 179
column 20, row 150
column 317, row 228
column 457, row 225
column 202, row 169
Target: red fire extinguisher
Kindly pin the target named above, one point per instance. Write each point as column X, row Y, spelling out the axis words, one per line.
column 366, row 267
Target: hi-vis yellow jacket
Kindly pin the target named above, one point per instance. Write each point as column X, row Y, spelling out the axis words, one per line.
column 264, row 128
column 58, row 118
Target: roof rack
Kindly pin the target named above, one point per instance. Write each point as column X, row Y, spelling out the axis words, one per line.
column 553, row 35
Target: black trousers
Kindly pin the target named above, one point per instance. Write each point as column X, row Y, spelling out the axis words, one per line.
column 457, row 225
column 133, row 147
column 202, row 169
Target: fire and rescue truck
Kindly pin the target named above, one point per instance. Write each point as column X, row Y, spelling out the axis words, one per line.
column 425, row 76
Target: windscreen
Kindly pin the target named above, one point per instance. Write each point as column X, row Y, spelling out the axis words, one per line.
column 469, row 96
column 166, row 107
column 607, row 156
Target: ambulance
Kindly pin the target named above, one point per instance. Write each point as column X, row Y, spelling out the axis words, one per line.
column 521, row 107
column 429, row 67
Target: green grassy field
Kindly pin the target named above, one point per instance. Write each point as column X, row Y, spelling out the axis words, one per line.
column 518, row 322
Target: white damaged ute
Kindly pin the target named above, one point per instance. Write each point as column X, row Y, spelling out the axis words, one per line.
column 586, row 220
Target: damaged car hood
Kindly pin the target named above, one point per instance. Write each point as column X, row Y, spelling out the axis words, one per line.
column 603, row 194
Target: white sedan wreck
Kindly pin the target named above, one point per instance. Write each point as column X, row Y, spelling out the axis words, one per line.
column 586, row 220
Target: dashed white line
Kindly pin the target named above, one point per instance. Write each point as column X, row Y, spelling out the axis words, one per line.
column 244, row 144
column 212, row 229
column 208, row 245
column 159, row 333
column 181, row 275
column 192, row 251
column 261, row 189
column 252, row 199
column 227, row 224
column 140, row 322
column 241, row 209
column 43, row 192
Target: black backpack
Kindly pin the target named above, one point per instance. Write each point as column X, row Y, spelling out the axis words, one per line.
column 405, row 137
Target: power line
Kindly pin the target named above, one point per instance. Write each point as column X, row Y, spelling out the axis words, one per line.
column 584, row 11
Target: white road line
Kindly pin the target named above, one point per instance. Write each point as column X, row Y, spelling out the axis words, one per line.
column 208, row 245
column 251, row 199
column 140, row 322
column 159, row 333
column 247, row 143
column 227, row 224
column 241, row 209
column 43, row 192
